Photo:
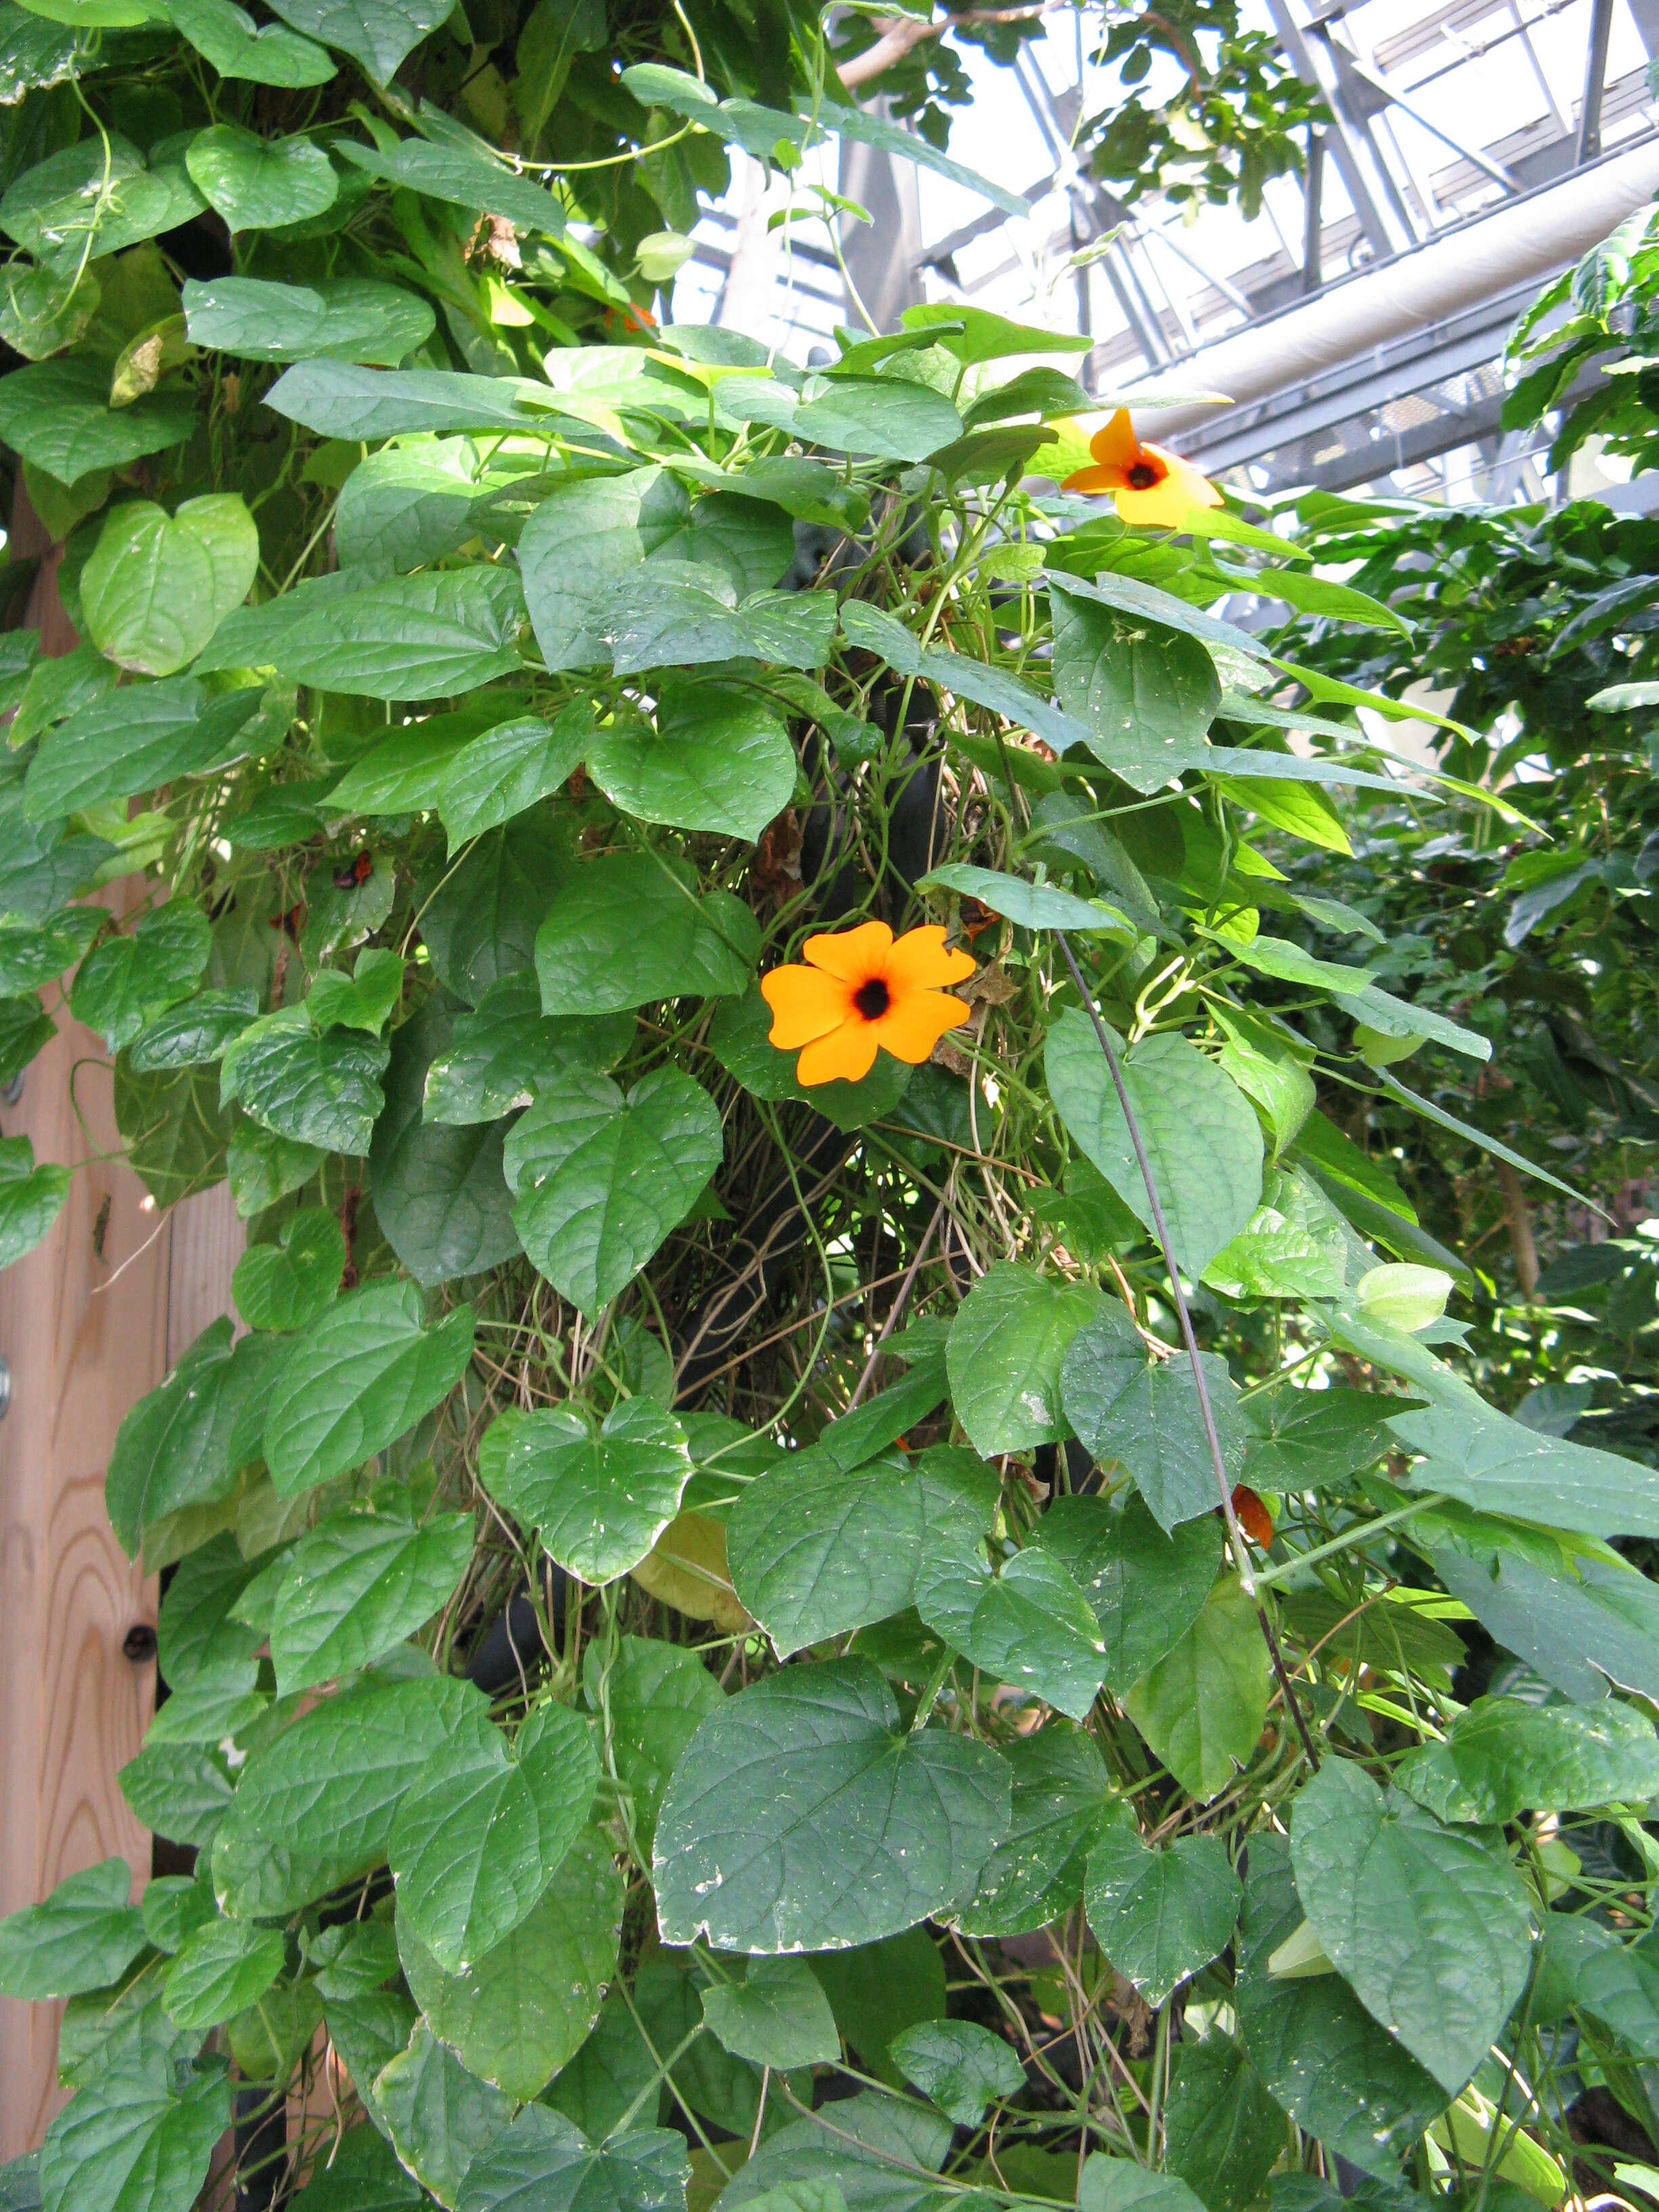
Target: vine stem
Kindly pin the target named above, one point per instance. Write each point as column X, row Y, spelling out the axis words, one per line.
column 1234, row 1533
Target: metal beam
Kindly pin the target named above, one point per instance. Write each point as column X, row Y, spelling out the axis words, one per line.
column 1312, row 222
column 1495, row 170
column 1595, row 77
column 1377, row 201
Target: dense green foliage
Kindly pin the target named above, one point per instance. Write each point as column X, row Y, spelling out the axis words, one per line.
column 718, row 1645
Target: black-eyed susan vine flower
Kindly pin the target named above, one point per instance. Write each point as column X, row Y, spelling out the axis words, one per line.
column 1146, row 483
column 863, row 990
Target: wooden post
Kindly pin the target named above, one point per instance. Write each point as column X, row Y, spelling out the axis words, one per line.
column 89, row 1322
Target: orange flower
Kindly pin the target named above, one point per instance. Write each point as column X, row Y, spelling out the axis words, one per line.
column 862, row 989
column 1148, row 484
column 1252, row 1518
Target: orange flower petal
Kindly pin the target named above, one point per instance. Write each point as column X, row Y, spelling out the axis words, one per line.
column 854, row 955
column 805, row 1005
column 846, row 1055
column 1116, row 445
column 1200, row 492
column 1093, row 480
column 1164, row 507
column 916, row 1023
column 918, row 962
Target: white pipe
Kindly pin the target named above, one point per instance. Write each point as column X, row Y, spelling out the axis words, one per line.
column 1521, row 240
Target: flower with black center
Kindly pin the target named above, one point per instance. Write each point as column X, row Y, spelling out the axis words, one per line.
column 1147, row 484
column 863, row 990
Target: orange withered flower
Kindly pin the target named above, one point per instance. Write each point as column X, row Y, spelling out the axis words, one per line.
column 1147, row 484
column 862, row 990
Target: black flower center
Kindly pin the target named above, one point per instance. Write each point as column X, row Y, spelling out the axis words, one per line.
column 1144, row 475
column 872, row 998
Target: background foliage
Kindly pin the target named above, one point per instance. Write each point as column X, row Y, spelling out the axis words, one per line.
column 711, row 1652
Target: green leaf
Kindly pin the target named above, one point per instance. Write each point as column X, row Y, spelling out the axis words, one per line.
column 1580, row 1627
column 440, row 1198
column 1297, row 1245
column 1305, row 1437
column 366, row 1001
column 739, row 1038
column 1584, row 1965
column 56, row 415
column 777, row 2016
column 882, row 2158
column 31, row 1198
column 1202, row 1708
column 156, row 586
column 1502, row 1758
column 880, row 417
column 485, row 1827
column 125, row 980
column 600, row 1499
column 464, row 178
column 399, row 637
column 361, row 1377
column 286, row 1285
column 438, row 2116
column 1147, row 1417
column 194, row 1631
column 718, row 760
column 135, row 2140
column 658, row 1694
column 313, row 1087
column 1429, row 1928
column 1147, row 1586
column 671, row 614
column 875, row 1990
column 25, row 1031
column 186, row 1442
column 175, row 1132
column 1499, row 1466
column 480, row 920
column 507, row 1050
column 378, row 34
column 1061, row 1806
column 630, row 928
column 600, row 1179
column 1007, row 1341
column 961, row 2066
column 1033, row 906
column 1118, row 2184
column 1222, row 2131
column 505, row 771
column 338, row 400
column 1202, row 1139
column 1160, row 1916
column 356, row 1585
column 1145, row 694
column 32, row 954
column 544, row 2162
column 580, row 541
column 1318, row 2052
column 226, row 34
column 315, row 1807
column 526, row 2006
column 193, row 1034
column 815, row 1547
column 85, row 1935
column 99, row 196
column 262, row 1167
column 1029, row 1624
column 221, row 1969
column 364, row 2176
column 764, row 1840
column 338, row 319
column 182, row 1791
column 135, row 739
